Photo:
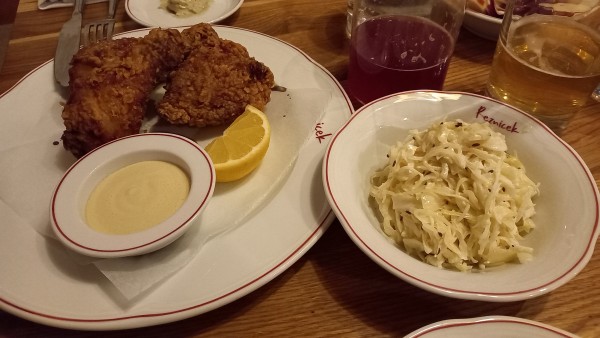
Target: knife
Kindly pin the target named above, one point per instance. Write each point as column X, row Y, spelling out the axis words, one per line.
column 68, row 45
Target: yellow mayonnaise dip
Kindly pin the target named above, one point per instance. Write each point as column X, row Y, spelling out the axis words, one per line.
column 137, row 197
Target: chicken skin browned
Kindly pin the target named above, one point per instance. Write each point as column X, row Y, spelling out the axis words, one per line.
column 209, row 82
column 201, row 35
column 213, row 86
column 109, row 86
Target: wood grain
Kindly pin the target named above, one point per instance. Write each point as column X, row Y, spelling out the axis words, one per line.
column 334, row 290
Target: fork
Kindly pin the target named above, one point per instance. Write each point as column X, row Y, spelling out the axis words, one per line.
column 101, row 29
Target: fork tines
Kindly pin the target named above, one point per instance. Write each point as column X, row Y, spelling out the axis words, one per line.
column 97, row 31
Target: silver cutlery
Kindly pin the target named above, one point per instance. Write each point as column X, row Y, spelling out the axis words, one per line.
column 100, row 30
column 68, row 44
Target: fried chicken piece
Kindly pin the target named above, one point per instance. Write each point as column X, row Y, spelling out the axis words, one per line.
column 110, row 84
column 201, row 35
column 214, row 85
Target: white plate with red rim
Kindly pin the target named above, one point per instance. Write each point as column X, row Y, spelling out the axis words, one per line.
column 227, row 268
column 149, row 13
column 489, row 327
column 566, row 210
column 73, row 190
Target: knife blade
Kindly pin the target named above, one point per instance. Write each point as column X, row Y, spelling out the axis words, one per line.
column 68, row 44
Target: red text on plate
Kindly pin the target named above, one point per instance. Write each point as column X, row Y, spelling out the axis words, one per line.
column 319, row 133
column 500, row 124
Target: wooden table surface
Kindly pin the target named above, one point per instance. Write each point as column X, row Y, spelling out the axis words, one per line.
column 334, row 289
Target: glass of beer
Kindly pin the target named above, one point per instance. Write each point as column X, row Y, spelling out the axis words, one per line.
column 547, row 60
column 400, row 45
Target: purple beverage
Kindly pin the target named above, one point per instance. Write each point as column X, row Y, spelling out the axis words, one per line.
column 396, row 53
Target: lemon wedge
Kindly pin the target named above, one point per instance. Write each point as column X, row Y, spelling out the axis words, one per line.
column 242, row 146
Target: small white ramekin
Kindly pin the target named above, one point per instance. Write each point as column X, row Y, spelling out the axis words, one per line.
column 72, row 193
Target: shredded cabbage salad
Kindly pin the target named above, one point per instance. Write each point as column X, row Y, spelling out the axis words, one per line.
column 453, row 197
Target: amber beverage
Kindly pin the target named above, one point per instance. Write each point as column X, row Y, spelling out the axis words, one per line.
column 546, row 65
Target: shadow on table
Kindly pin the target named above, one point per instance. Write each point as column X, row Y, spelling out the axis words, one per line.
column 386, row 303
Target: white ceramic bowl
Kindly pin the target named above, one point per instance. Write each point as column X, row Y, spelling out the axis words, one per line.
column 489, row 327
column 72, row 193
column 567, row 208
column 482, row 25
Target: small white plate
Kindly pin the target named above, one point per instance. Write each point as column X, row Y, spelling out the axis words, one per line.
column 73, row 191
column 489, row 327
column 148, row 13
column 566, row 211
column 482, row 25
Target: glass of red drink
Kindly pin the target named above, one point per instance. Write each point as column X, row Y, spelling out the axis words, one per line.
column 400, row 45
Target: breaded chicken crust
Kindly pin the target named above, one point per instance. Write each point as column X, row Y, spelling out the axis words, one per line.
column 213, row 86
column 210, row 83
column 109, row 86
column 201, row 35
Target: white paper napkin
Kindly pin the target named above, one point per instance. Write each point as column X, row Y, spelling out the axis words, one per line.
column 292, row 115
column 31, row 165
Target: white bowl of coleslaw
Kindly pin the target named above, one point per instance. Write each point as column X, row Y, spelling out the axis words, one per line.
column 566, row 209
